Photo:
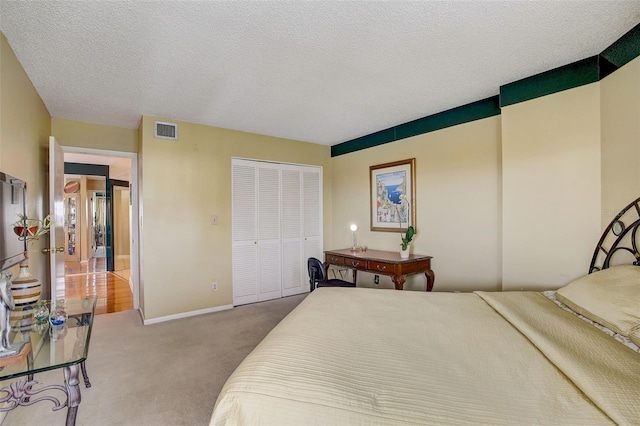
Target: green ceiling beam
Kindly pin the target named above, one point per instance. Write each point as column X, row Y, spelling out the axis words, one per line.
column 549, row 82
column 586, row 71
column 623, row 51
column 452, row 117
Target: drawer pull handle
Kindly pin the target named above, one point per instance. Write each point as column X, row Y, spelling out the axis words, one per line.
column 354, row 264
column 381, row 268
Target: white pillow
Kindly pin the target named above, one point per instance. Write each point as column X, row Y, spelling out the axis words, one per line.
column 610, row 297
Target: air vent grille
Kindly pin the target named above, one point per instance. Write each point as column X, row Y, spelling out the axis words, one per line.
column 166, row 130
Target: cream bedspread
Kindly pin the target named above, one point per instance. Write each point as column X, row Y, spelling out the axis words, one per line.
column 371, row 356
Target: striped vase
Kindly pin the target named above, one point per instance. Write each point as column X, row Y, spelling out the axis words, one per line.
column 26, row 290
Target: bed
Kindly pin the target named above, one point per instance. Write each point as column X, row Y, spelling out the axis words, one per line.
column 371, row 356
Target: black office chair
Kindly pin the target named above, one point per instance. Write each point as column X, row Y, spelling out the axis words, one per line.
column 318, row 276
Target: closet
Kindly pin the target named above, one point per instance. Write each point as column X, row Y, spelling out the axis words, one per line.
column 276, row 227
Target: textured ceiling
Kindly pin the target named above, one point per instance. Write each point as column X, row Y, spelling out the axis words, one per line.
column 321, row 71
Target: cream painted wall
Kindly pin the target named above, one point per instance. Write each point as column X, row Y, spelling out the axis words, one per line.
column 620, row 115
column 25, row 124
column 95, row 136
column 121, row 221
column 184, row 183
column 458, row 204
column 551, row 188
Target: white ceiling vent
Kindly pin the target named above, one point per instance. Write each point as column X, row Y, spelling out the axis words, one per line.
column 165, row 130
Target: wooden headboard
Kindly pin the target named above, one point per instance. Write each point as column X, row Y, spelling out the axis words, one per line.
column 620, row 241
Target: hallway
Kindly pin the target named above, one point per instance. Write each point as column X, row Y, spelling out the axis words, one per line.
column 85, row 255
column 90, row 278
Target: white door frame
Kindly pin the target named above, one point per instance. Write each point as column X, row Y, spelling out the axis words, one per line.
column 135, row 211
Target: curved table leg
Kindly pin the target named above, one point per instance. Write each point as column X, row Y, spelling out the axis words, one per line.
column 87, row 383
column 29, row 366
column 431, row 279
column 71, row 382
column 399, row 280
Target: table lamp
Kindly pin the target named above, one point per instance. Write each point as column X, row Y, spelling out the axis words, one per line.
column 354, row 228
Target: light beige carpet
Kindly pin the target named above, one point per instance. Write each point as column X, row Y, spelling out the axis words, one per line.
column 162, row 374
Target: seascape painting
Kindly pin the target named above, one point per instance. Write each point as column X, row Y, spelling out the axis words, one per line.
column 392, row 195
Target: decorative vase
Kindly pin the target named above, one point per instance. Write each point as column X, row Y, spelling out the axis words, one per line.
column 404, row 253
column 26, row 290
column 25, row 287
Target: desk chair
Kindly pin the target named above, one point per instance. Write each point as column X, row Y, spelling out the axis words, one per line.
column 318, row 276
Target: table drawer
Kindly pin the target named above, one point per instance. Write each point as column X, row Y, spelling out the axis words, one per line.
column 334, row 260
column 381, row 267
column 355, row 263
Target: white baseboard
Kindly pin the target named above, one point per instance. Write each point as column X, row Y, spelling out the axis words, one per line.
column 184, row 314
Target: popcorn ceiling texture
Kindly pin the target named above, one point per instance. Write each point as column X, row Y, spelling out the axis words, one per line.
column 322, row 72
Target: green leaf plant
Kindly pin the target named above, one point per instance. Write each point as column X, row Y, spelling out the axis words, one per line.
column 408, row 236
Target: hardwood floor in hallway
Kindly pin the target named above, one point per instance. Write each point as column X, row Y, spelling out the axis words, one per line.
column 90, row 278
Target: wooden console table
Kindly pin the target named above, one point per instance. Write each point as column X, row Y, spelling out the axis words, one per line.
column 383, row 263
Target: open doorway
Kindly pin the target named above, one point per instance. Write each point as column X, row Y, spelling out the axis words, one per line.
column 98, row 230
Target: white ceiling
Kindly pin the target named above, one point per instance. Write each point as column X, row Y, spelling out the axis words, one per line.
column 316, row 71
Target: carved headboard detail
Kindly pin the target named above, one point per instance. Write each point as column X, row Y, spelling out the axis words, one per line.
column 621, row 238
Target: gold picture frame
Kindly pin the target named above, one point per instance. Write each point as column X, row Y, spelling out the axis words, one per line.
column 393, row 196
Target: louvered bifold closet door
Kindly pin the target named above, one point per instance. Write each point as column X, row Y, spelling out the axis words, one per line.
column 276, row 227
column 244, row 234
column 312, row 212
column 293, row 264
column 269, row 247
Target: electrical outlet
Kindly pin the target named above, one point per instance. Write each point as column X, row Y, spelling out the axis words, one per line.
column 214, row 286
column 376, row 279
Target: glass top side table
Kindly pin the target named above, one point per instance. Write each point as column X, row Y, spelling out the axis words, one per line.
column 49, row 347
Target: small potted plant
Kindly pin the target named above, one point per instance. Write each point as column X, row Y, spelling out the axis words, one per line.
column 31, row 229
column 25, row 287
column 407, row 237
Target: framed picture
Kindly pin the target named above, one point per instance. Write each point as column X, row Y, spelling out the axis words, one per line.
column 393, row 196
